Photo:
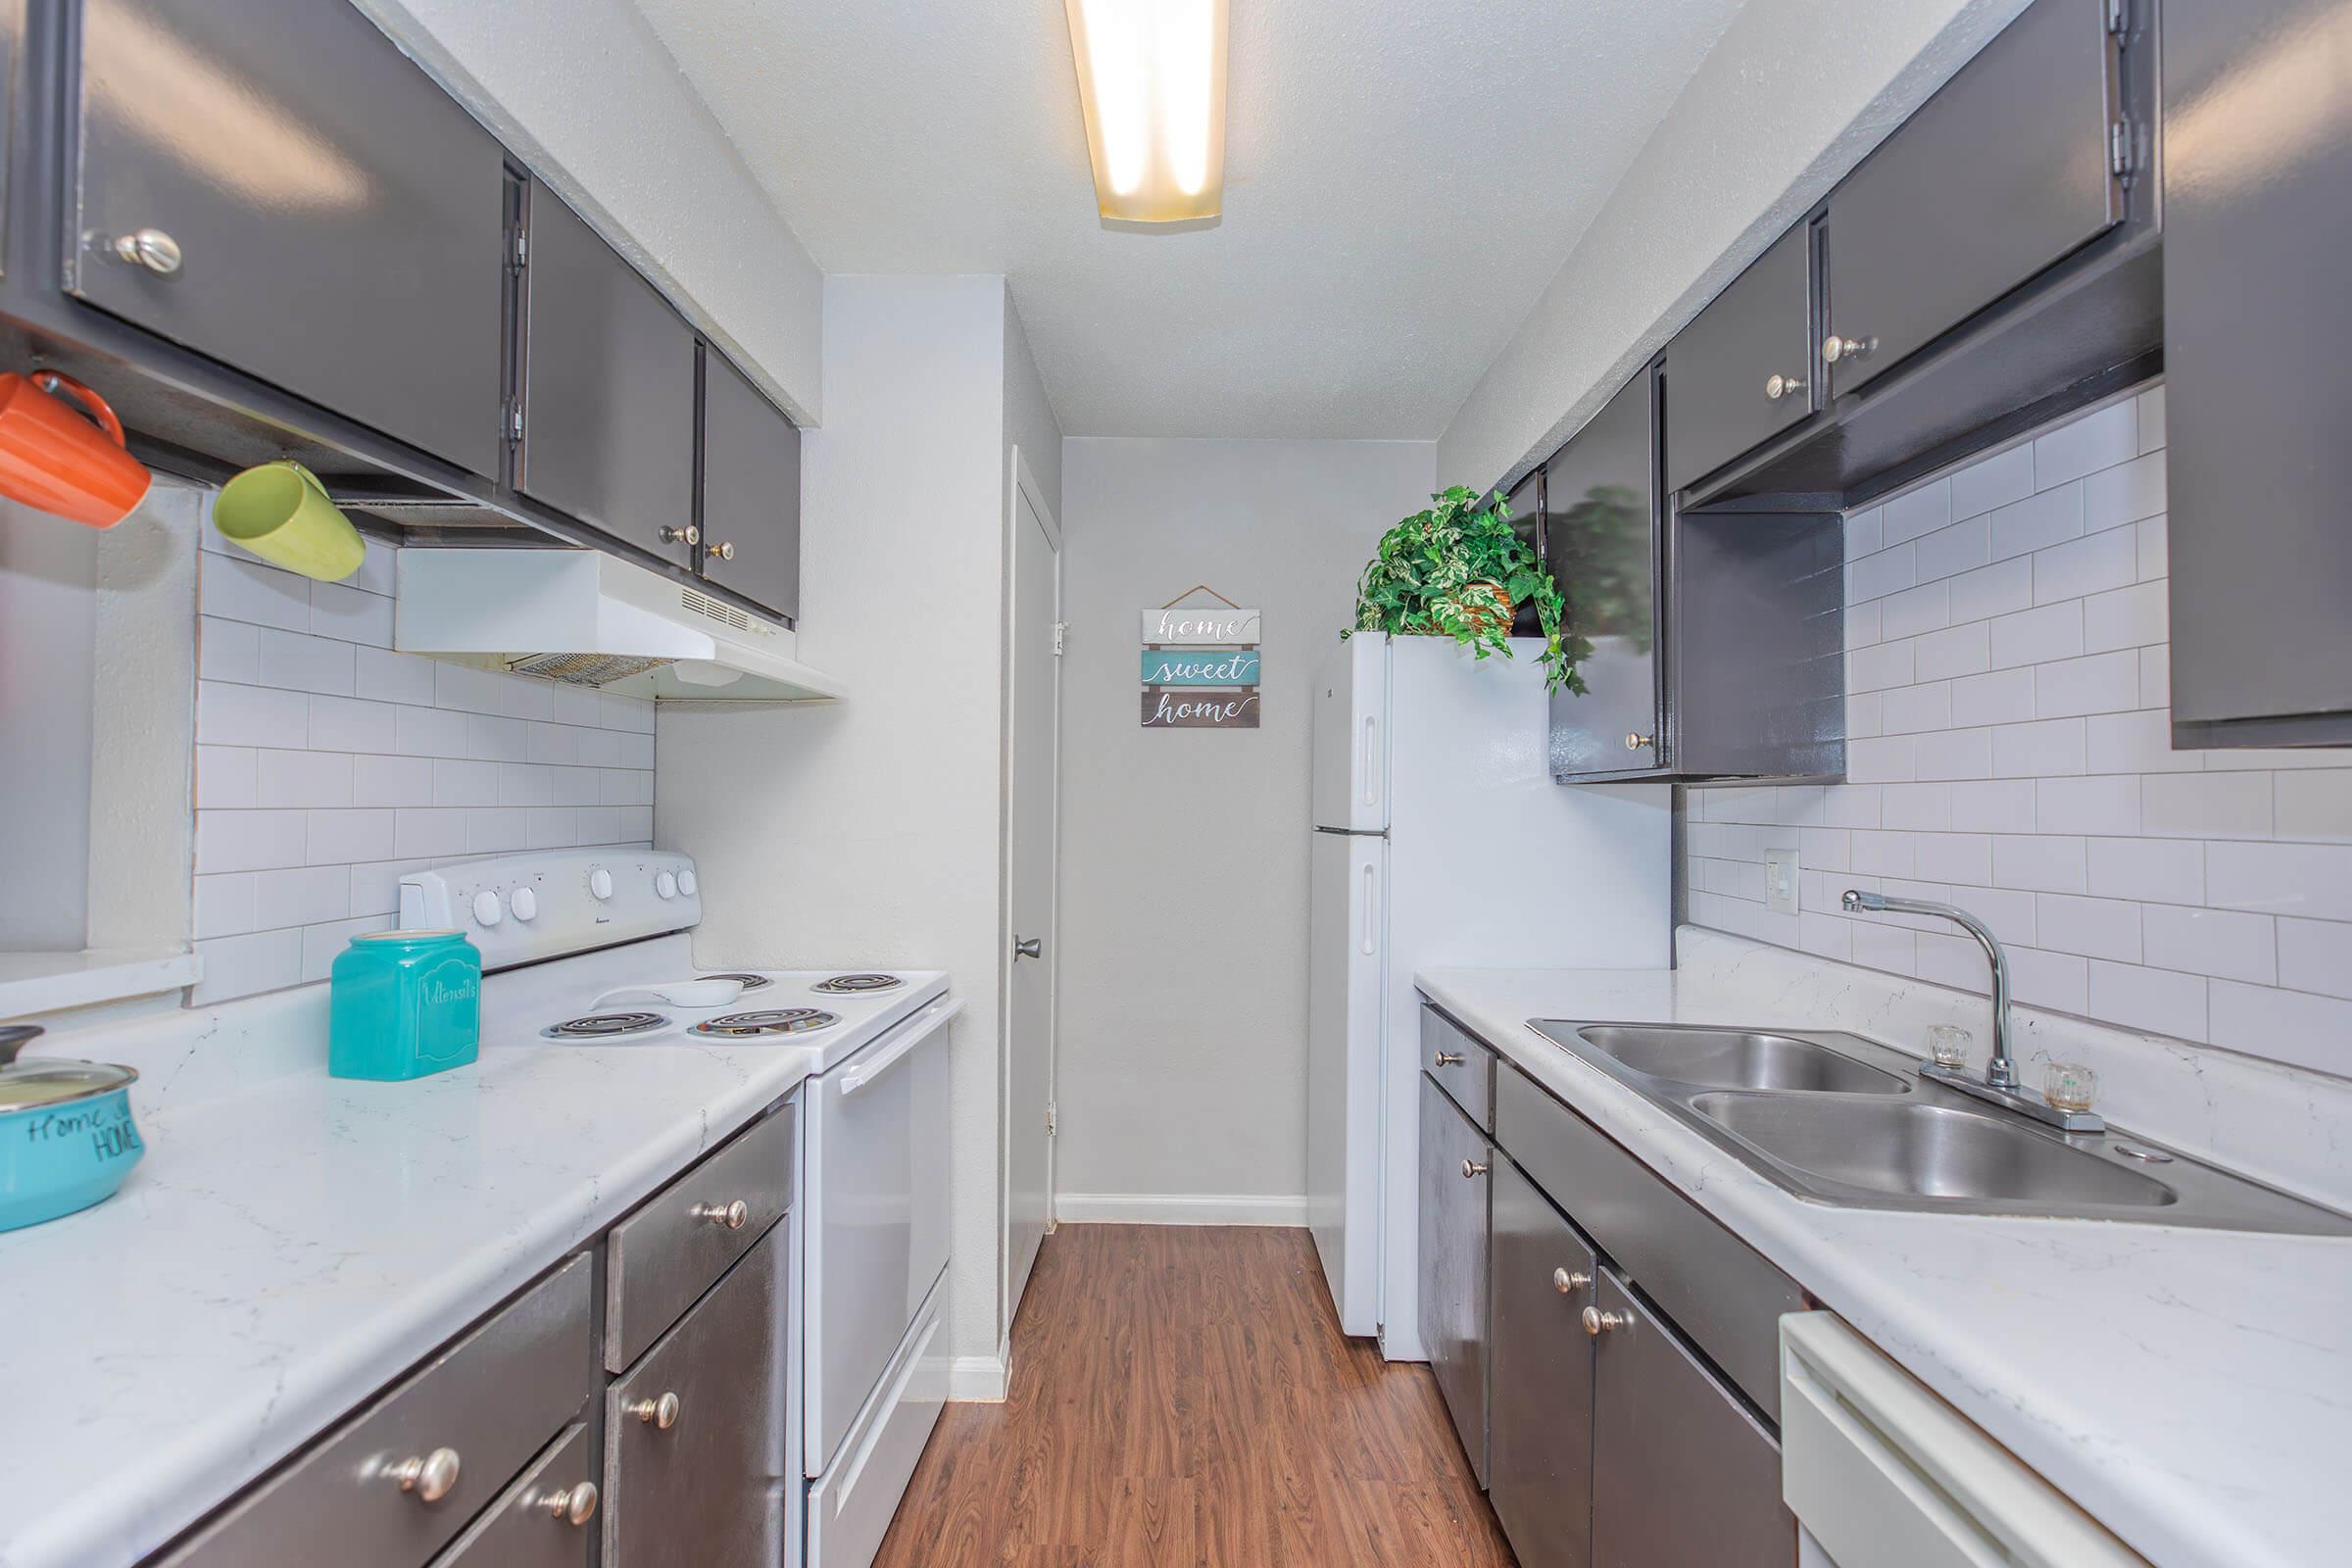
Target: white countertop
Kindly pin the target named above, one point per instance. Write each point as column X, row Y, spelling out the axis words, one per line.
column 293, row 1242
column 2190, row 1389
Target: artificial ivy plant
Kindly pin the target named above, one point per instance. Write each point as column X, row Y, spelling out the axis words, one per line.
column 1458, row 571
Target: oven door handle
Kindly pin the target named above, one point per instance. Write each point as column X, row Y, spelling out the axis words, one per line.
column 932, row 1019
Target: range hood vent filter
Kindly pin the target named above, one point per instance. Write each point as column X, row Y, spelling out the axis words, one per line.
column 585, row 669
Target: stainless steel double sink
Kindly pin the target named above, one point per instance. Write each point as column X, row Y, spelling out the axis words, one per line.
column 1834, row 1118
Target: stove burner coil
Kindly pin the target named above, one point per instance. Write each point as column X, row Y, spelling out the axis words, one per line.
column 842, row 983
column 748, row 981
column 601, row 1025
column 774, row 1021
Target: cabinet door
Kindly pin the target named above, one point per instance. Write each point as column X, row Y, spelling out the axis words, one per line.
column 1540, row 1418
column 1681, row 1472
column 607, row 429
column 1454, row 1156
column 708, row 1488
column 1740, row 373
column 751, row 491
column 1600, row 515
column 338, row 220
column 1525, row 500
column 2255, row 342
column 2001, row 173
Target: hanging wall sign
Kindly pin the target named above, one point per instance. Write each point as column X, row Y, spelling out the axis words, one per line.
column 1199, row 664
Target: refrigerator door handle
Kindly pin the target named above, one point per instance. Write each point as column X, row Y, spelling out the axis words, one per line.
column 1371, row 754
column 1368, row 946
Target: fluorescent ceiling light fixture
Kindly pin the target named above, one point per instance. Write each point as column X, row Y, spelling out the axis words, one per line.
column 1152, row 80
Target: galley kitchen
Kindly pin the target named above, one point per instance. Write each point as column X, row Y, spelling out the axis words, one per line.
column 1152, row 782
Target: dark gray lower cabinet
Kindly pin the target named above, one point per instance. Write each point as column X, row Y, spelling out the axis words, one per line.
column 273, row 183
column 1455, row 1157
column 694, row 1433
column 1539, row 1411
column 750, row 490
column 547, row 1518
column 607, row 425
column 1681, row 1472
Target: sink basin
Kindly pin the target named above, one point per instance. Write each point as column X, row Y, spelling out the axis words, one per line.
column 1928, row 1151
column 1738, row 1058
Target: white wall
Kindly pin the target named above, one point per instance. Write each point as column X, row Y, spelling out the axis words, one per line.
column 1183, row 1058
column 867, row 832
column 585, row 94
column 2007, row 658
column 1790, row 99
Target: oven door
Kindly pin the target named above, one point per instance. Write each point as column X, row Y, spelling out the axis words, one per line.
column 876, row 1216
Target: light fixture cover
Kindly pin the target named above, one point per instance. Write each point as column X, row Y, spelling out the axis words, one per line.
column 1152, row 80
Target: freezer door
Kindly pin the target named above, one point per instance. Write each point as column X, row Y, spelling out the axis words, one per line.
column 1346, row 918
column 1350, row 736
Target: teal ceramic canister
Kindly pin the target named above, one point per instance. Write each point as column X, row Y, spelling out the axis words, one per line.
column 405, row 1004
column 66, row 1139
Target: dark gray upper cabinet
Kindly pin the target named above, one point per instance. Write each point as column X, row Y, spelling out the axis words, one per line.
column 1741, row 372
column 1600, row 519
column 608, row 409
column 1455, row 1157
column 272, row 184
column 2258, row 208
column 1539, row 1411
column 1525, row 500
column 750, row 519
column 2005, row 170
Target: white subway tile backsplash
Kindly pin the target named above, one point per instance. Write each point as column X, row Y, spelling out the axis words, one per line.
column 1881, row 759
column 302, row 895
column 2093, row 563
column 2034, row 636
column 224, row 904
column 1877, row 576
column 348, row 725
column 340, row 838
column 1994, row 806
column 2309, row 880
column 248, row 841
column 1994, row 590
column 2059, row 981
column 2155, row 553
column 1918, row 512
column 2151, row 419
column 2091, row 804
column 2037, row 522
column 2138, row 742
column 1949, row 552
column 2150, row 870
column 429, row 732
column 2045, row 748
column 2160, row 1000
column 1962, row 858
column 2290, row 1026
column 393, row 781
column 1867, row 669
column 424, row 832
column 1953, row 754
column 1999, row 697
column 302, row 779
column 1956, row 651
column 390, row 677
column 350, row 615
column 2205, row 806
column 2225, row 944
column 2100, row 439
column 2316, row 956
column 1907, row 709
column 2040, row 862
column 240, row 588
column 494, row 739
column 225, row 775
column 2102, row 683
column 2096, row 929
column 239, row 966
column 228, row 650
column 2127, row 618
column 1921, row 808
column 1914, row 610
column 251, row 715
column 302, row 663
column 2315, row 803
column 322, row 944
column 2124, row 494
column 1994, row 481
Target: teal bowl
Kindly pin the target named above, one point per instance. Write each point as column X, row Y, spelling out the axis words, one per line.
column 67, row 1138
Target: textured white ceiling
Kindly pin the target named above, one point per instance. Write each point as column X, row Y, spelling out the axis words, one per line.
column 1402, row 180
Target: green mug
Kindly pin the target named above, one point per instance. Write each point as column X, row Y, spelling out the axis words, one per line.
column 280, row 512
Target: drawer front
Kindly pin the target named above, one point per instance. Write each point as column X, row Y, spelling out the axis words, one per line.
column 1720, row 1291
column 668, row 1253
column 533, row 1526
column 495, row 1397
column 708, row 1488
column 1681, row 1472
column 1740, row 373
column 1462, row 1065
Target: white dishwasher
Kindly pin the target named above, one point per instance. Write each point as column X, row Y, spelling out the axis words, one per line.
column 875, row 1167
column 1881, row 1473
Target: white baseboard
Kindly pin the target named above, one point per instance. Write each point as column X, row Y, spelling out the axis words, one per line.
column 1179, row 1208
column 976, row 1380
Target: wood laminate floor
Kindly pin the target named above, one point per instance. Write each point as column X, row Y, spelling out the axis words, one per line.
column 1184, row 1396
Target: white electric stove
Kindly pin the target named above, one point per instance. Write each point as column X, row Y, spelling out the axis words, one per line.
column 588, row 950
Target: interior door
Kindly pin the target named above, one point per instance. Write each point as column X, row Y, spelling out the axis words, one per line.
column 1034, row 812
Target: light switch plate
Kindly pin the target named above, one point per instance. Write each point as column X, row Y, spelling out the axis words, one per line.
column 1780, row 881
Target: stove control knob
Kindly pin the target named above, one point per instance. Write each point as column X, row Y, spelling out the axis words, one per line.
column 487, row 911
column 665, row 885
column 600, row 883
column 524, row 904
column 689, row 884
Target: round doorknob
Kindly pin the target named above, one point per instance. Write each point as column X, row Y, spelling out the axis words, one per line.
column 1566, row 1283
column 1598, row 1322
column 725, row 550
column 1835, row 348
column 660, row 1414
column 1777, row 386
column 1449, row 1059
column 1471, row 1167
column 151, row 248
column 575, row 1506
column 1634, row 743
column 688, row 535
column 731, row 1215
column 429, row 1479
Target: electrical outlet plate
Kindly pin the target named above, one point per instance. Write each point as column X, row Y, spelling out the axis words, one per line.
column 1780, row 881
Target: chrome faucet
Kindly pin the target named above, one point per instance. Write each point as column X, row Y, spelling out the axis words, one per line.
column 2000, row 1084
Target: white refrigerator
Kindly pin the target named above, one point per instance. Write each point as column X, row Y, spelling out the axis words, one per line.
column 1440, row 841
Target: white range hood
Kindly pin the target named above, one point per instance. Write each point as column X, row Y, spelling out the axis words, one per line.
column 593, row 619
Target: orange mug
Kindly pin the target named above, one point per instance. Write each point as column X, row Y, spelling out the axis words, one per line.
column 53, row 458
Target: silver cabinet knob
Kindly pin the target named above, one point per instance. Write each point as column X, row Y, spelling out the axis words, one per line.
column 151, row 248
column 725, row 550
column 429, row 1479
column 573, row 1505
column 688, row 535
column 660, row 1414
column 731, row 1215
column 1598, row 1322
column 1566, row 1283
column 1777, row 387
column 1029, row 946
column 1447, row 1058
column 1634, row 743
column 1835, row 348
column 1471, row 1167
